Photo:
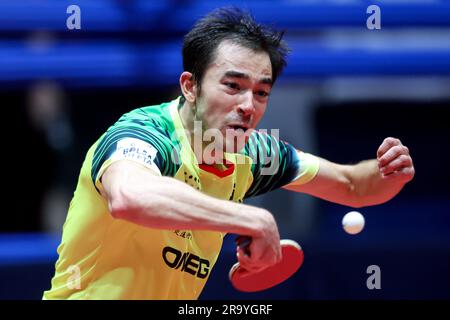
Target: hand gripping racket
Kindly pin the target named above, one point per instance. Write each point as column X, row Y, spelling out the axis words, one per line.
column 291, row 261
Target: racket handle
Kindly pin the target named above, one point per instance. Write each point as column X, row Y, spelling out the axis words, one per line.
column 244, row 243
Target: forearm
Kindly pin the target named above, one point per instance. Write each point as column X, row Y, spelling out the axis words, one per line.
column 166, row 203
column 367, row 183
column 367, row 186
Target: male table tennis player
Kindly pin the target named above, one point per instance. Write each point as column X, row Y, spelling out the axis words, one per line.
column 151, row 208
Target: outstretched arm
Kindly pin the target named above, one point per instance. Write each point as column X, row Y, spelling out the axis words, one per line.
column 139, row 195
column 367, row 183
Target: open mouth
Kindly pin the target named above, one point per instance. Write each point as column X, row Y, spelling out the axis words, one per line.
column 237, row 127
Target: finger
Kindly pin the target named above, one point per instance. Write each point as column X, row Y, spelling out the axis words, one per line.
column 243, row 242
column 386, row 145
column 392, row 154
column 248, row 266
column 245, row 273
column 272, row 258
column 254, row 263
column 245, row 260
column 402, row 175
column 241, row 256
column 400, row 162
column 242, row 262
column 277, row 256
column 272, row 255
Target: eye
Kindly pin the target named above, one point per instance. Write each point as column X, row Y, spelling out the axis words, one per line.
column 262, row 93
column 232, row 85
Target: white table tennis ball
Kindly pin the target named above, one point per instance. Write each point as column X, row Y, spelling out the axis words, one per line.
column 353, row 222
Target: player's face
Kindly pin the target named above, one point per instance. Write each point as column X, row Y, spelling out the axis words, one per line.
column 234, row 93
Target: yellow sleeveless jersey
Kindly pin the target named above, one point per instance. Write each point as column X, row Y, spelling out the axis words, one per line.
column 105, row 258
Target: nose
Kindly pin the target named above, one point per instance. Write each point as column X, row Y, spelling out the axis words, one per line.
column 246, row 106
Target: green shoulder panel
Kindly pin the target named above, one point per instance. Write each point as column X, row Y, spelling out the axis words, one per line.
column 152, row 125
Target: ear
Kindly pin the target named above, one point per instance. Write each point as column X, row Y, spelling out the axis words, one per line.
column 188, row 86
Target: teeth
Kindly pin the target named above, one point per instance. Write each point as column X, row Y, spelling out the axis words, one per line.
column 236, row 127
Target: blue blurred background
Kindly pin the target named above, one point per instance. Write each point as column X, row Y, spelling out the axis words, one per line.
column 345, row 89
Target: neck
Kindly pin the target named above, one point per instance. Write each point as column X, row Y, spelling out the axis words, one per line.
column 195, row 131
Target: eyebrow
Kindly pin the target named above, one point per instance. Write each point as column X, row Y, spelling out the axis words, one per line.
column 240, row 75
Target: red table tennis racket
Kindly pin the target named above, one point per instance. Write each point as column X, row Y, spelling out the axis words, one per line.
column 243, row 280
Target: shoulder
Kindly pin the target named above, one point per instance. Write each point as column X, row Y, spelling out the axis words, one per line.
column 264, row 147
column 148, row 117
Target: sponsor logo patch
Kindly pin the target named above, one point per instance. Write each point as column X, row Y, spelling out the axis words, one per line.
column 138, row 151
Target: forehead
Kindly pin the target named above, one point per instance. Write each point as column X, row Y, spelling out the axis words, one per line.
column 232, row 56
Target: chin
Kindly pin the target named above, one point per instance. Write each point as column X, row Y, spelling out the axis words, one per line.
column 235, row 140
column 235, row 146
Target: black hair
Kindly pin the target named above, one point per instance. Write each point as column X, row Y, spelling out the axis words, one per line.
column 201, row 43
